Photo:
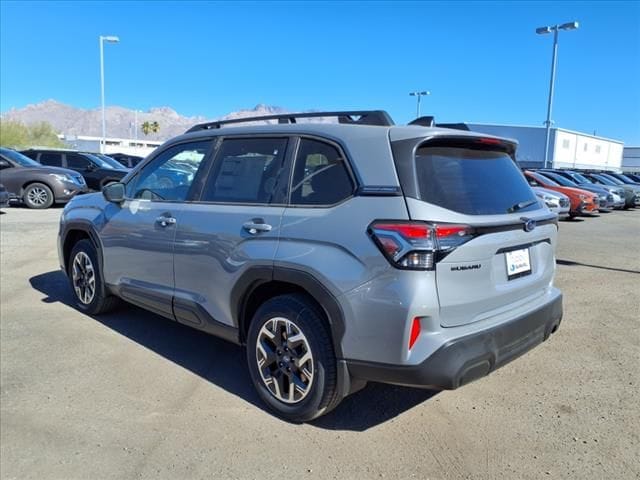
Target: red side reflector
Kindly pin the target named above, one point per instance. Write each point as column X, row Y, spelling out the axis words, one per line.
column 415, row 332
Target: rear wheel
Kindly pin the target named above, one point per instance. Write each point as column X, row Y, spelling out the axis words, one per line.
column 38, row 196
column 291, row 358
column 86, row 280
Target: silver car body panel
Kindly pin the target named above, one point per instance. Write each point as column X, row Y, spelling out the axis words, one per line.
column 197, row 261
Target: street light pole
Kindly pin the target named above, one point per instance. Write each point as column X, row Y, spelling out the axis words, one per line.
column 419, row 95
column 550, row 101
column 109, row 39
column 541, row 31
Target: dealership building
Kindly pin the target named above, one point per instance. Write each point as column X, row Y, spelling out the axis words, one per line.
column 631, row 159
column 128, row 146
column 567, row 149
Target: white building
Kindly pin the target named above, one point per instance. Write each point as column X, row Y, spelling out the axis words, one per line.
column 567, row 149
column 631, row 159
column 140, row 148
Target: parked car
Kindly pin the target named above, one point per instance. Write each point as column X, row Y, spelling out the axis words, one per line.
column 617, row 193
column 128, row 161
column 97, row 172
column 626, row 179
column 633, row 176
column 582, row 201
column 4, row 197
column 35, row 185
column 557, row 202
column 631, row 192
column 411, row 255
column 605, row 199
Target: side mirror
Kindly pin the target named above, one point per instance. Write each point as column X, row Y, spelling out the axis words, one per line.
column 4, row 164
column 91, row 168
column 114, row 192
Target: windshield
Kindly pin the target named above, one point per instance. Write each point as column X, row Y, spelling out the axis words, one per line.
column 474, row 182
column 614, row 180
column 624, row 178
column 581, row 178
column 546, row 181
column 105, row 162
column 565, row 182
column 19, row 158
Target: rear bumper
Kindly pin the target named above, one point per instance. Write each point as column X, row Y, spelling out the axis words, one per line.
column 470, row 357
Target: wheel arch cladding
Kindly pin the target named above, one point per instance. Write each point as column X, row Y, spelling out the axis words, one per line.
column 73, row 233
column 261, row 283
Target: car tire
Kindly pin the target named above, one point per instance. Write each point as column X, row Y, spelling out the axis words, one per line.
column 310, row 359
column 85, row 278
column 38, row 196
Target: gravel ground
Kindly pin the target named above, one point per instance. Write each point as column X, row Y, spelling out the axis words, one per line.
column 131, row 395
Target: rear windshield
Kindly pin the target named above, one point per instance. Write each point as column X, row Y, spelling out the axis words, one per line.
column 474, row 182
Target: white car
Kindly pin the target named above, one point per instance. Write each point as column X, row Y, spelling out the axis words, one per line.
column 556, row 202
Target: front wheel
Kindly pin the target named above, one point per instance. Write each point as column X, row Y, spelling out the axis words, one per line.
column 38, row 196
column 86, row 280
column 291, row 358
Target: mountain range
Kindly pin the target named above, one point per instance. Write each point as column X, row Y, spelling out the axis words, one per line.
column 69, row 120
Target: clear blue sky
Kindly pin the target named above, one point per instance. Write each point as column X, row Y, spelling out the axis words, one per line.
column 482, row 61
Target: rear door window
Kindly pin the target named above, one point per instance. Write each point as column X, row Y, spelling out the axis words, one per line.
column 473, row 182
column 321, row 176
column 51, row 159
column 248, row 170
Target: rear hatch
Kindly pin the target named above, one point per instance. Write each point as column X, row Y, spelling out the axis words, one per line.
column 501, row 255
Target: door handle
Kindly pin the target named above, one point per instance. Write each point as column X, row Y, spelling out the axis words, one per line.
column 165, row 221
column 254, row 227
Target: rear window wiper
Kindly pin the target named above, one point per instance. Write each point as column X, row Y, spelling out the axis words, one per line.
column 521, row 205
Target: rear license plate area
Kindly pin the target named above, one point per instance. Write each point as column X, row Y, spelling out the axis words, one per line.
column 518, row 263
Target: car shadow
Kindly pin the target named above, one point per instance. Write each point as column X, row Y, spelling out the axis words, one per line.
column 571, row 263
column 224, row 364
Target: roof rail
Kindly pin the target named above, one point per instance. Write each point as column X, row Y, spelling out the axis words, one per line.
column 367, row 117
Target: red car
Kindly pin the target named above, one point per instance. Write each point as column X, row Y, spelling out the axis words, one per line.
column 582, row 201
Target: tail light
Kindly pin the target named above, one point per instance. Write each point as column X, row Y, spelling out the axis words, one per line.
column 418, row 245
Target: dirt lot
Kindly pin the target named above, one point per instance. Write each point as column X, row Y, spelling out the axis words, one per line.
column 131, row 395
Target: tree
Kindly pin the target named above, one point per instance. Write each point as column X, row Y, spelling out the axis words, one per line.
column 18, row 135
column 150, row 127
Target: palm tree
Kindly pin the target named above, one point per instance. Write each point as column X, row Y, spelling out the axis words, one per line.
column 150, row 127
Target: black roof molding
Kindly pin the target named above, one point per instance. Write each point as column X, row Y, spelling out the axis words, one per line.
column 454, row 126
column 355, row 117
column 426, row 121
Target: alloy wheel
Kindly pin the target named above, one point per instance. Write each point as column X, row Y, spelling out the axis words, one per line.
column 38, row 196
column 83, row 277
column 285, row 360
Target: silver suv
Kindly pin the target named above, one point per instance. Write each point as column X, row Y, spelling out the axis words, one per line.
column 338, row 253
